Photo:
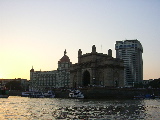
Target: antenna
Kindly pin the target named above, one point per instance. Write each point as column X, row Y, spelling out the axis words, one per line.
column 101, row 48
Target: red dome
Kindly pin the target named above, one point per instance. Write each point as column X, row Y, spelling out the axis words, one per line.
column 65, row 58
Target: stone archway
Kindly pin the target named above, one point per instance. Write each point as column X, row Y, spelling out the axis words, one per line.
column 86, row 78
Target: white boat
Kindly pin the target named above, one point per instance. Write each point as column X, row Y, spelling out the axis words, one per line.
column 27, row 93
column 32, row 94
column 4, row 96
column 37, row 95
column 76, row 94
column 49, row 94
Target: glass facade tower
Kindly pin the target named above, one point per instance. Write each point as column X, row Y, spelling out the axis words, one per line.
column 131, row 53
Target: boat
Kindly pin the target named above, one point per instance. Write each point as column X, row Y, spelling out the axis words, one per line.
column 49, row 94
column 76, row 94
column 26, row 94
column 36, row 94
column 157, row 97
column 4, row 96
column 146, row 96
column 139, row 97
column 4, row 92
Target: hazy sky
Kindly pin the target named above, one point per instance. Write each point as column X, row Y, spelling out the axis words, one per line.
column 36, row 32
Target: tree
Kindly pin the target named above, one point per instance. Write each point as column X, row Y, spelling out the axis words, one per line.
column 155, row 83
column 14, row 85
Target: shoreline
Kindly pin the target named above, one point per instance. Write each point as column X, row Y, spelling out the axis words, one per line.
column 102, row 93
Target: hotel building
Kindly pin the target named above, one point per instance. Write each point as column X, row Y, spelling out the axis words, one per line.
column 42, row 80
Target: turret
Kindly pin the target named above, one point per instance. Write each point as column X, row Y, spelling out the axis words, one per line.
column 110, row 52
column 79, row 54
column 32, row 70
column 93, row 49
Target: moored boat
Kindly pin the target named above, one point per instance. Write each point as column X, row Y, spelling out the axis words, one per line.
column 76, row 94
column 146, row 96
column 4, row 96
column 139, row 97
column 27, row 93
column 49, row 94
column 36, row 95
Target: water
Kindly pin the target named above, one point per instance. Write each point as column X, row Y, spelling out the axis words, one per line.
column 23, row 108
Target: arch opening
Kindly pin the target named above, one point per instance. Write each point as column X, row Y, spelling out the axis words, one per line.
column 86, row 78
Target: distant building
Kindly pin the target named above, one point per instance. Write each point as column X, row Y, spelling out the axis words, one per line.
column 130, row 51
column 24, row 82
column 97, row 69
column 41, row 80
column 152, row 83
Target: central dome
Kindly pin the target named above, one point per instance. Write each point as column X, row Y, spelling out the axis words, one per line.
column 65, row 58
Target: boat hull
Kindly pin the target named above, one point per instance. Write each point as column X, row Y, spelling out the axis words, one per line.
column 4, row 96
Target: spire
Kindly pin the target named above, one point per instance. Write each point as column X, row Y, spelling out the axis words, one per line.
column 65, row 52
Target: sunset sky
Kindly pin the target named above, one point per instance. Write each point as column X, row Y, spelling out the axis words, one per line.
column 36, row 32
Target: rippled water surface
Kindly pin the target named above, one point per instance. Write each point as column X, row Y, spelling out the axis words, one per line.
column 23, row 108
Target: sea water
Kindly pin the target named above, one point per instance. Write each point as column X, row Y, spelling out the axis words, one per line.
column 23, row 108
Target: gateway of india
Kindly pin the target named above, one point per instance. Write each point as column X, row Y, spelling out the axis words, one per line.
column 92, row 69
column 97, row 69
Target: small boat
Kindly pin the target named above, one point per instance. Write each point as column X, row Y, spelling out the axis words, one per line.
column 26, row 94
column 36, row 95
column 76, row 94
column 146, row 96
column 157, row 97
column 4, row 96
column 49, row 94
column 139, row 97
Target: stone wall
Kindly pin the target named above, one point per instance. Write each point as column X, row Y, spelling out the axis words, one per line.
column 115, row 93
column 110, row 93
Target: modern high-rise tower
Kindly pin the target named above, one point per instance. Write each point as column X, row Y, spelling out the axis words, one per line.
column 131, row 53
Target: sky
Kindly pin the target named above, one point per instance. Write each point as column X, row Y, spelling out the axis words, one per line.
column 36, row 32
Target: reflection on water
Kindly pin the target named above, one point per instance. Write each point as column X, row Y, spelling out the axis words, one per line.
column 53, row 108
